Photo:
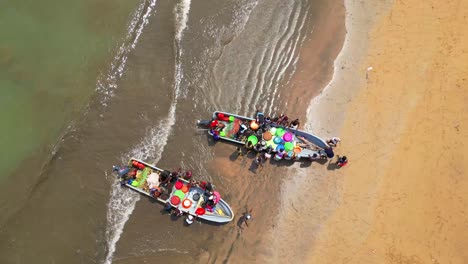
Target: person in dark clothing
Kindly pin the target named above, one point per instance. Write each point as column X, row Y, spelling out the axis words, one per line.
column 294, row 124
column 259, row 161
column 329, row 152
column 168, row 207
column 245, row 218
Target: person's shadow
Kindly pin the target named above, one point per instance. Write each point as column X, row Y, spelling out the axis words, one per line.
column 240, row 221
column 333, row 166
column 234, row 156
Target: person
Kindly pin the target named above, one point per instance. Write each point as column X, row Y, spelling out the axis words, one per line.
column 342, row 161
column 177, row 212
column 333, row 142
column 246, row 217
column 257, row 148
column 323, row 155
column 164, row 178
column 329, row 152
column 239, row 151
column 259, row 117
column 219, row 127
column 275, row 120
column 168, row 207
column 188, row 175
column 249, row 145
column 268, row 151
column 314, row 156
column 209, row 187
column 155, row 191
column 258, row 161
column 193, row 182
column 294, row 124
column 190, row 219
column 203, row 184
column 242, row 128
column 283, row 120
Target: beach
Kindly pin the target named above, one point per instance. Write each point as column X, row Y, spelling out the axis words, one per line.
column 402, row 198
column 387, row 77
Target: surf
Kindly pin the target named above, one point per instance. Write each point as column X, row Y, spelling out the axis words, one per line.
column 122, row 202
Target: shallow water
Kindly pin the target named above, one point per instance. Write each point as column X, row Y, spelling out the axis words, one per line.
column 51, row 53
column 179, row 62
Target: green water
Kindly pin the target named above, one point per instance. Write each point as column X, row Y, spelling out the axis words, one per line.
column 51, row 53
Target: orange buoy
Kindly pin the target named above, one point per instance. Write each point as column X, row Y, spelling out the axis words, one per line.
column 184, row 189
column 186, row 203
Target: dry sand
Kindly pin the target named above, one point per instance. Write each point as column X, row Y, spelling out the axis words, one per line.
column 404, row 196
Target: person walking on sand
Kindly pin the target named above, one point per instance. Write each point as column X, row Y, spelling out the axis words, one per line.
column 246, row 217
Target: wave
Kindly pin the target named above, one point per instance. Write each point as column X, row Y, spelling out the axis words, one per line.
column 122, row 201
column 106, row 84
column 181, row 14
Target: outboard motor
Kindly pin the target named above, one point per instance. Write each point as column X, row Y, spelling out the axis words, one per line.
column 203, row 123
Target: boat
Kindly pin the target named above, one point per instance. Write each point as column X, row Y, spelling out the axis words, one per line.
column 288, row 143
column 181, row 194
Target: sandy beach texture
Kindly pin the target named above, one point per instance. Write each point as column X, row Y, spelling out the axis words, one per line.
column 404, row 196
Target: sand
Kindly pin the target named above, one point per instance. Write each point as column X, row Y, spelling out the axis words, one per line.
column 404, row 196
column 261, row 189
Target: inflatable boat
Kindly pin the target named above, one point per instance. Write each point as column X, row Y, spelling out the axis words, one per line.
column 180, row 194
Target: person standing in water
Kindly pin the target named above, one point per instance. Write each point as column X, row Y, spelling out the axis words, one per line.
column 245, row 218
column 189, row 219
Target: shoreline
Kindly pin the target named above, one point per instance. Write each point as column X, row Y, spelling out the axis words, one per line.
column 316, row 192
column 254, row 244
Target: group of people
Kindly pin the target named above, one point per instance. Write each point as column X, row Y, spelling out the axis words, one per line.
column 281, row 120
column 260, row 125
column 189, row 219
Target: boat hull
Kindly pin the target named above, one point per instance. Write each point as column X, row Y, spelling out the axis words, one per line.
column 222, row 211
column 319, row 143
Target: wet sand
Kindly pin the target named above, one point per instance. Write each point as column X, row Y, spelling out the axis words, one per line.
column 261, row 189
column 403, row 197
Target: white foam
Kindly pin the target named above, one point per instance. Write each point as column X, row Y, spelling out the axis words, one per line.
column 140, row 18
column 123, row 201
column 181, row 14
column 121, row 205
